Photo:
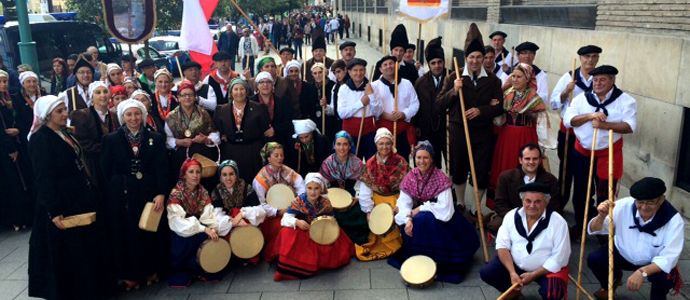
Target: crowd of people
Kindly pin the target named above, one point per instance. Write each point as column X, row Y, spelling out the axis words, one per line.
column 108, row 139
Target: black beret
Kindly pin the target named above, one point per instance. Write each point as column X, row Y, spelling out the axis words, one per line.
column 648, row 188
column 221, row 56
column 588, row 49
column 81, row 62
column 146, row 63
column 498, row 32
column 288, row 49
column 604, row 70
column 347, row 44
column 385, row 58
column 190, row 64
column 535, row 187
column 529, row 46
column 356, row 61
column 411, row 46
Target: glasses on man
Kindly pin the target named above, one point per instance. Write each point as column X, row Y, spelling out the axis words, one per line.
column 185, row 96
column 648, row 203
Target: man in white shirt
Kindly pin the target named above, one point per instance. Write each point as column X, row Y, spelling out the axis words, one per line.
column 648, row 240
column 532, row 246
column 526, row 52
column 334, row 24
column 606, row 107
column 498, row 40
column 205, row 94
column 589, row 57
column 402, row 113
column 248, row 49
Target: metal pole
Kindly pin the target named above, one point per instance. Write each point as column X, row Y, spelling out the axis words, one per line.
column 27, row 47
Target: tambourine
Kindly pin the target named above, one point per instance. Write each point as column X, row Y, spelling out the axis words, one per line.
column 324, row 230
column 418, row 271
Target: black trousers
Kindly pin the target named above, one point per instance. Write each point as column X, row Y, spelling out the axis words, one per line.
column 565, row 192
column 580, row 165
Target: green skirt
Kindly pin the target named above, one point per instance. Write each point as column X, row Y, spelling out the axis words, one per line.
column 354, row 223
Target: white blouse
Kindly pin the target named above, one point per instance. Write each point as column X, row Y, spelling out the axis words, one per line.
column 190, row 226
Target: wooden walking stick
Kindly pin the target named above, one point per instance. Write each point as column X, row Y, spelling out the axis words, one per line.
column 611, row 228
column 512, row 287
column 246, row 65
column 567, row 136
column 472, row 169
column 364, row 114
column 179, row 68
column 584, row 221
column 580, row 288
column 304, row 69
column 337, row 52
column 395, row 106
column 323, row 108
column 253, row 25
column 299, row 157
column 447, row 135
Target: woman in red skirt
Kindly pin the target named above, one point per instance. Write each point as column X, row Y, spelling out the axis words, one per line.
column 298, row 256
column 524, row 111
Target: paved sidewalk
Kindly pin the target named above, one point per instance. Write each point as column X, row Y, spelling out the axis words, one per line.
column 358, row 280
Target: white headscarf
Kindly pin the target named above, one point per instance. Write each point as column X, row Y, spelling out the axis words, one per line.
column 96, row 84
column 303, row 126
column 26, row 74
column 291, row 64
column 140, row 92
column 263, row 75
column 318, row 178
column 318, row 65
column 42, row 108
column 382, row 132
column 129, row 103
column 4, row 74
column 112, row 67
column 162, row 71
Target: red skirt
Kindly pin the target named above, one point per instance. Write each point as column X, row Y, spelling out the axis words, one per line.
column 300, row 257
column 506, row 154
column 270, row 228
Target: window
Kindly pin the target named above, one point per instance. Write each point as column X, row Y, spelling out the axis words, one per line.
column 683, row 175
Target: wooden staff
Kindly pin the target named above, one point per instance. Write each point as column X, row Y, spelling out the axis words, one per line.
column 246, row 65
column 512, row 287
column 503, row 60
column 337, row 52
column 512, row 58
column 253, row 25
column 179, row 68
column 395, row 106
column 584, row 221
column 567, row 135
column 580, row 288
column 299, row 157
column 364, row 114
column 420, row 53
column 323, row 108
column 304, row 67
column 611, row 287
column 447, row 133
column 472, row 169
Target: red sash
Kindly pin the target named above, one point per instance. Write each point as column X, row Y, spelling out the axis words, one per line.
column 558, row 284
column 603, row 159
column 351, row 125
column 563, row 129
column 402, row 127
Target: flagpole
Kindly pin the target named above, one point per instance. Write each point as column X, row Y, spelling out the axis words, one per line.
column 253, row 25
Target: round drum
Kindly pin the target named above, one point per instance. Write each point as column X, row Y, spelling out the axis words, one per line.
column 418, row 271
column 340, row 198
column 214, row 256
column 381, row 219
column 246, row 242
column 324, row 230
column 280, row 196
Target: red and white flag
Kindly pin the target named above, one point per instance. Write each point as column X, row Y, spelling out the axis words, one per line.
column 195, row 35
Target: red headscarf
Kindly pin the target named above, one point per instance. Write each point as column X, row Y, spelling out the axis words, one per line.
column 186, row 165
column 117, row 90
column 186, row 85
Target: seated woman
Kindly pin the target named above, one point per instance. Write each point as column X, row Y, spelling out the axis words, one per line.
column 431, row 225
column 191, row 219
column 274, row 172
column 381, row 184
column 311, row 148
column 234, row 201
column 343, row 169
column 298, row 256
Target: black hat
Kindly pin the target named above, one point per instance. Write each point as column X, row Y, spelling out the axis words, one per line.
column 82, row 62
column 498, row 32
column 347, row 44
column 529, row 46
column 648, row 188
column 434, row 50
column 319, row 43
column 127, row 57
column 190, row 64
column 411, row 46
column 535, row 187
column 146, row 63
column 399, row 37
column 356, row 61
column 604, row 70
column 385, row 58
column 588, row 49
column 288, row 49
column 221, row 56
column 473, row 42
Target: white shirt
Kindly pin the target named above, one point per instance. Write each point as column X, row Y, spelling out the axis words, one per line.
column 254, row 214
column 407, row 98
column 207, row 101
column 623, row 109
column 350, row 104
column 334, row 24
column 442, row 209
column 550, row 249
column 560, row 87
column 163, row 100
column 254, row 46
column 640, row 248
column 222, row 87
column 542, row 84
column 186, row 227
column 466, row 73
column 260, row 191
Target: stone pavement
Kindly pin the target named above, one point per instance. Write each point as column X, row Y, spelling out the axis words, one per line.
column 358, row 280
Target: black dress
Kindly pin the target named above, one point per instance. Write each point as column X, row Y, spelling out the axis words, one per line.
column 309, row 161
column 311, row 108
column 281, row 122
column 63, row 264
column 135, row 253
